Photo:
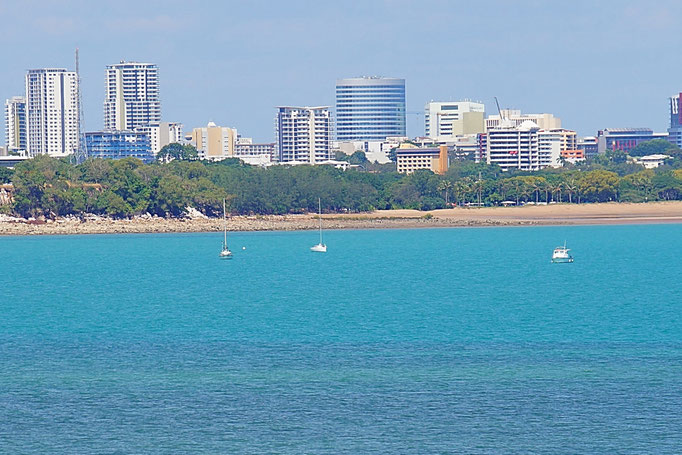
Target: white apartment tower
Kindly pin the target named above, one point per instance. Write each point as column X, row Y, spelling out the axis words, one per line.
column 303, row 134
column 132, row 96
column 52, row 112
column 525, row 147
column 15, row 124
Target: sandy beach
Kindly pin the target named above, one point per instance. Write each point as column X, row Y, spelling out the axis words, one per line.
column 558, row 214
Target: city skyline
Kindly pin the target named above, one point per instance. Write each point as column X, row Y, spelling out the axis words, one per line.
column 592, row 65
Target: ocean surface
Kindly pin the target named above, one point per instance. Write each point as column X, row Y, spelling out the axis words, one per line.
column 430, row 341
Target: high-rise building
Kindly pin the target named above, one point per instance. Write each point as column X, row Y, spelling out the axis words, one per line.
column 303, row 134
column 544, row 121
column 370, row 108
column 675, row 130
column 15, row 124
column 214, row 142
column 131, row 96
column 445, row 120
column 52, row 112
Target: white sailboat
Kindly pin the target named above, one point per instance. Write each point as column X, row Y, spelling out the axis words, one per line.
column 225, row 253
column 320, row 247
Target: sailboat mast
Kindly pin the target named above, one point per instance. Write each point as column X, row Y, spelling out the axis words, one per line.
column 224, row 225
column 319, row 216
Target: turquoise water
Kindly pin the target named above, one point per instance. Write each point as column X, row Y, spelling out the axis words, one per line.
column 395, row 341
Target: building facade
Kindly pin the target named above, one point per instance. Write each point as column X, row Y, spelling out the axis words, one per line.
column 214, row 142
column 52, row 112
column 119, row 144
column 245, row 147
column 544, row 121
column 588, row 145
column 675, row 129
column 573, row 155
column 16, row 130
column 525, row 147
column 370, row 108
column 131, row 97
column 410, row 159
column 163, row 133
column 625, row 139
column 303, row 134
column 445, row 120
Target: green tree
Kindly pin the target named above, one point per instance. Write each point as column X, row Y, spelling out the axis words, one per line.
column 652, row 147
column 599, row 185
column 176, row 151
column 6, row 175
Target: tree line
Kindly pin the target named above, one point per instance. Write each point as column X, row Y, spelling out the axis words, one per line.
column 122, row 188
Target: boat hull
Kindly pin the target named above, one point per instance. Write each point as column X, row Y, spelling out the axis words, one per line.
column 319, row 248
column 562, row 260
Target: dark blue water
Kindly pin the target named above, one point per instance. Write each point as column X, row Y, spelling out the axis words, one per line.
column 399, row 341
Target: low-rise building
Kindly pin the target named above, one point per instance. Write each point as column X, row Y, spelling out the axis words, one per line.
column 162, row 134
column 625, row 139
column 652, row 161
column 588, row 145
column 245, row 148
column 375, row 151
column 514, row 116
column 573, row 156
column 119, row 144
column 410, row 158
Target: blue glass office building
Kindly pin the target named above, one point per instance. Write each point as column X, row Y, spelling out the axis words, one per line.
column 370, row 108
column 119, row 144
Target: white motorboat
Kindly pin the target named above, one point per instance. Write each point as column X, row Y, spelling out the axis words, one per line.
column 561, row 255
column 320, row 247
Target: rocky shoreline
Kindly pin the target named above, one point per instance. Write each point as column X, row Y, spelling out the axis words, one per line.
column 560, row 214
column 69, row 226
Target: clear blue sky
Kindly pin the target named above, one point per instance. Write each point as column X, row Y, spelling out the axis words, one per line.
column 595, row 64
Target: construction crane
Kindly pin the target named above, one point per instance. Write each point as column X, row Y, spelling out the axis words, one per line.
column 499, row 111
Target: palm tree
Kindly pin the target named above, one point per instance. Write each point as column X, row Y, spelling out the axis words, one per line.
column 445, row 186
column 557, row 189
column 571, row 185
column 547, row 187
column 535, row 187
column 504, row 187
column 519, row 186
column 465, row 185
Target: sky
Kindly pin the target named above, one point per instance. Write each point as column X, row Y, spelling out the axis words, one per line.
column 595, row 64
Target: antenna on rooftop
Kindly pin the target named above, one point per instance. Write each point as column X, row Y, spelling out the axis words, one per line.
column 82, row 151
